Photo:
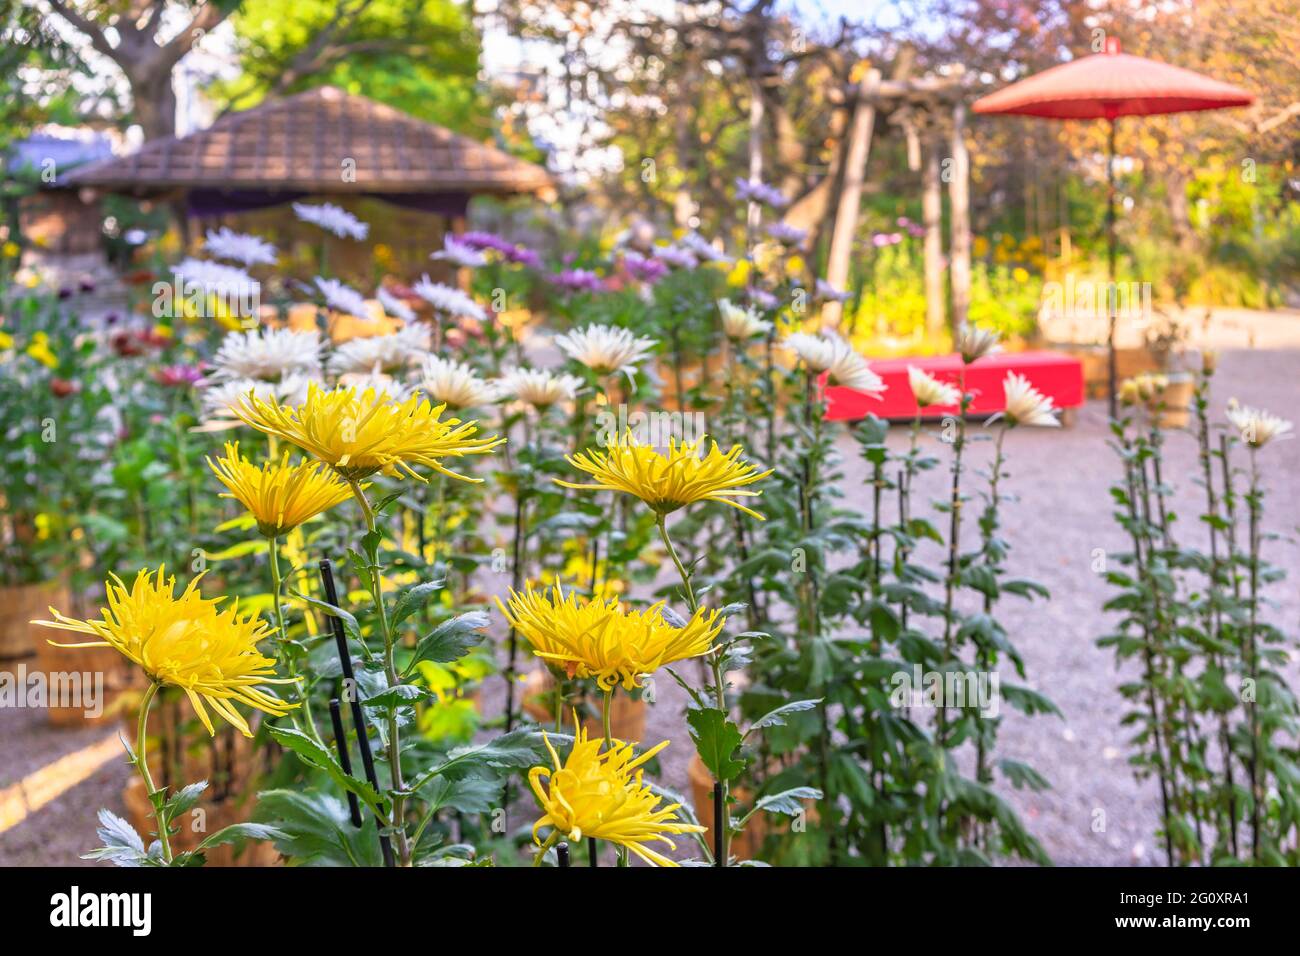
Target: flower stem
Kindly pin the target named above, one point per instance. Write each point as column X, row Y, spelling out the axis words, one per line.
column 142, row 765
column 715, row 660
column 390, row 672
column 288, row 656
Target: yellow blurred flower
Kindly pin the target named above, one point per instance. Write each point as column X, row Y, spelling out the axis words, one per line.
column 1020, row 274
column 669, row 481
column 601, row 795
column 40, row 350
column 185, row 642
column 10, row 249
column 278, row 495
column 739, row 274
column 598, row 638
column 361, row 434
column 979, row 247
column 6, row 340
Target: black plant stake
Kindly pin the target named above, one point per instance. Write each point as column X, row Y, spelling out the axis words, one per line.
column 562, row 855
column 358, row 719
column 591, row 852
column 345, row 759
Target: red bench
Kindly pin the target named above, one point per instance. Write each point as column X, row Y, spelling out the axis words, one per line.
column 1056, row 375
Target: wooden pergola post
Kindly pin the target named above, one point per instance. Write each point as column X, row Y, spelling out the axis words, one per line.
column 932, row 217
column 846, row 215
column 959, row 199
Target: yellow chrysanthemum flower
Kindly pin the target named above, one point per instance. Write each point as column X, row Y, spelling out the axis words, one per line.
column 671, row 481
column 594, row 794
column 185, row 642
column 278, row 495
column 599, row 638
column 361, row 434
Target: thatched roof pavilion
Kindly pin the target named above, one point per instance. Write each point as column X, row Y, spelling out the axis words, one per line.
column 323, row 142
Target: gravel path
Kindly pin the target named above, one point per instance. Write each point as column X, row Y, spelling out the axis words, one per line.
column 1061, row 517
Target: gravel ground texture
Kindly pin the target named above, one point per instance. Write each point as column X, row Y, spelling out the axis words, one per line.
column 1061, row 516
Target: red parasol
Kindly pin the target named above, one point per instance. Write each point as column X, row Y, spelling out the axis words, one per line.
column 1107, row 86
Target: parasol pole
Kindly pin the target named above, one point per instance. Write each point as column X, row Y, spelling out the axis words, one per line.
column 1112, row 297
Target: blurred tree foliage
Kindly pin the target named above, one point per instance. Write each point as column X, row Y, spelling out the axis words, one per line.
column 419, row 56
column 36, row 70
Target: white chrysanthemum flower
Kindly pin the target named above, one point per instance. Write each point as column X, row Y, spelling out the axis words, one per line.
column 1257, row 427
column 455, row 384
column 225, row 243
column 394, row 306
column 831, row 354
column 377, row 379
column 740, row 324
column 341, row 297
column 459, row 254
column 539, row 387
column 703, row 249
column 267, row 355
column 218, row 399
column 404, row 348
column 333, row 219
column 1026, row 405
column 216, row 277
column 605, row 349
column 973, row 343
column 448, row 300
column 929, row 391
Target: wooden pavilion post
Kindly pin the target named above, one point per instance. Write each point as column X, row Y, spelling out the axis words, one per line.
column 846, row 216
column 959, row 198
column 932, row 217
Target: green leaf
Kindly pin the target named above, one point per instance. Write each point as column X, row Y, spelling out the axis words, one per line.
column 776, row 718
column 350, row 626
column 513, row 751
column 413, row 599
column 395, row 697
column 185, row 799
column 716, row 739
column 241, row 831
column 451, row 640
column 317, row 756
column 315, row 829
column 122, row 845
column 790, row 802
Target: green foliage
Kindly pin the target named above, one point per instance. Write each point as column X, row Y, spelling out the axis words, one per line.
column 418, row 56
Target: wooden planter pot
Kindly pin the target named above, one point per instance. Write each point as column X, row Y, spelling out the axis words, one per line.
column 22, row 604
column 626, row 718
column 1176, row 401
column 203, row 820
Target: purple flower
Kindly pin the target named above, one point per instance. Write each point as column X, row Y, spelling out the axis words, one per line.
column 827, row 291
column 762, row 298
column 509, row 251
column 750, row 191
column 577, row 280
column 784, row 232
column 676, row 256
column 902, row 222
column 644, row 268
